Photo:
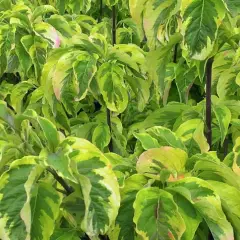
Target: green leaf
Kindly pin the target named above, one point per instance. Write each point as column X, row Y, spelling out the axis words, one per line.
column 200, row 138
column 48, row 32
column 18, row 93
column 223, row 116
column 157, row 15
column 112, row 86
column 5, row 5
column 192, row 134
column 166, row 137
column 5, row 114
column 208, row 204
column 80, row 6
column 209, row 167
column 5, row 89
column 74, row 208
column 184, row 81
column 23, row 45
column 233, row 7
column 60, row 5
column 48, row 74
column 189, row 214
column 15, row 192
column 101, row 136
column 226, row 85
column 63, row 81
column 165, row 116
column 156, row 215
column 236, row 159
column 124, row 35
column 157, row 61
column 38, row 54
column 154, row 160
column 8, row 151
column 122, row 57
column 147, row 140
column 136, row 8
column 84, row 130
column 201, row 20
column 50, row 132
column 65, row 233
column 84, row 69
column 41, row 10
column 141, row 90
column 45, row 207
column 61, row 25
column 111, row 3
column 124, row 225
column 230, row 202
column 99, row 186
column 61, row 163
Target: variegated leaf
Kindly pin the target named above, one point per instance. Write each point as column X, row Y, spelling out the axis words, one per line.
column 110, row 77
column 45, row 207
column 40, row 10
column 205, row 200
column 63, row 80
column 207, row 166
column 230, row 202
column 124, row 228
column 201, row 20
column 166, row 137
column 223, row 116
column 154, row 160
column 156, row 215
column 236, row 160
column 101, row 136
column 157, row 15
column 84, row 69
column 48, row 32
column 192, row 134
column 15, row 196
column 18, row 93
column 189, row 214
column 99, row 186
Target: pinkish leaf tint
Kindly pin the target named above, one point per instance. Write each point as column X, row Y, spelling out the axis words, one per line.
column 56, row 38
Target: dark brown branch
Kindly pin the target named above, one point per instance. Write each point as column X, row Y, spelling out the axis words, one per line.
column 114, row 25
column 61, row 191
column 225, row 147
column 67, row 188
column 113, row 43
column 209, row 101
column 175, row 53
column 100, row 11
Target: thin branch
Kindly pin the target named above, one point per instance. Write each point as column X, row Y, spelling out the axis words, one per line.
column 209, row 101
column 67, row 188
column 114, row 25
column 225, row 147
column 100, row 11
column 61, row 191
column 113, row 43
column 175, row 53
column 110, row 146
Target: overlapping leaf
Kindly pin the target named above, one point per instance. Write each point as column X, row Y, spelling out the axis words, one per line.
column 154, row 160
column 99, row 186
column 110, row 77
column 157, row 216
column 15, row 192
column 201, row 194
column 201, row 20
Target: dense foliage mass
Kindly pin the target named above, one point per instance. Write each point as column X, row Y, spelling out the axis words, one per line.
column 120, row 119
